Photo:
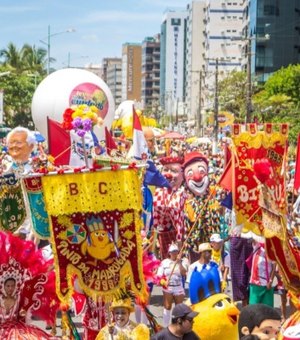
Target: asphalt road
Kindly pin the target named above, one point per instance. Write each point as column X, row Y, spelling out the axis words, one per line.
column 155, row 307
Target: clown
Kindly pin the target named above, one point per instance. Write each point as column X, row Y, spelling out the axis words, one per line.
column 168, row 205
column 199, row 207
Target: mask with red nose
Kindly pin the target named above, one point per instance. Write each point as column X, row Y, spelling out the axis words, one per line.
column 195, row 170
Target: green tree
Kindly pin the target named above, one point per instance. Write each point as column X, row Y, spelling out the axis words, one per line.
column 279, row 100
column 27, row 59
column 18, row 92
column 232, row 94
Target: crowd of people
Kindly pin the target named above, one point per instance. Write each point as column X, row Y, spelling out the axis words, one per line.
column 189, row 227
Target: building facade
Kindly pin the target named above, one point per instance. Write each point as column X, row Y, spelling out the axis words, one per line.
column 112, row 75
column 131, row 71
column 150, row 71
column 194, row 61
column 172, row 61
column 223, row 42
column 273, row 29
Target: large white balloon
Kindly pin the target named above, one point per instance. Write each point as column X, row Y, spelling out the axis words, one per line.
column 68, row 87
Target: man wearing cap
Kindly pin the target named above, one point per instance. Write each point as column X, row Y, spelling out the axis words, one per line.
column 168, row 205
column 199, row 212
column 220, row 256
column 181, row 325
column 204, row 251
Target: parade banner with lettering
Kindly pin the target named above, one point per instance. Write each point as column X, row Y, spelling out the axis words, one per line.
column 95, row 228
column 39, row 216
column 12, row 205
column 249, row 147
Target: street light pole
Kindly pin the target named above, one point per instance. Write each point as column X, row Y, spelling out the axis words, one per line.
column 48, row 44
column 199, row 117
column 216, row 105
column 249, row 85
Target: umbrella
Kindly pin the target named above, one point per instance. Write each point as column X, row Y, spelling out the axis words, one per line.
column 202, row 140
column 38, row 137
column 172, row 135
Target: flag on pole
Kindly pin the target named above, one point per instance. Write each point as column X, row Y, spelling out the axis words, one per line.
column 109, row 141
column 67, row 147
column 58, row 142
column 140, row 148
column 297, row 167
column 225, row 180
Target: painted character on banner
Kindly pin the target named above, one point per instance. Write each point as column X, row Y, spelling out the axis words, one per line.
column 168, row 205
column 99, row 243
column 197, row 209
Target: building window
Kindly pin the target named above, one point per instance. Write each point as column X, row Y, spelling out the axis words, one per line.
column 175, row 22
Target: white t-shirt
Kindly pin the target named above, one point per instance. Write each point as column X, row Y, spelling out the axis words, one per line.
column 199, row 267
column 166, row 268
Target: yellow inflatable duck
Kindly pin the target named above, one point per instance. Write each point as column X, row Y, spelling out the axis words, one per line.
column 218, row 316
column 99, row 243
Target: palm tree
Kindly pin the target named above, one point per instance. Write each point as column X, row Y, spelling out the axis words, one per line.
column 11, row 56
column 34, row 59
column 28, row 59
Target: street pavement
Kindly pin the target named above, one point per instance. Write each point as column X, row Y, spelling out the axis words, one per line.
column 155, row 307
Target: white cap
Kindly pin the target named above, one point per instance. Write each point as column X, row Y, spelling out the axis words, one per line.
column 173, row 247
column 215, row 238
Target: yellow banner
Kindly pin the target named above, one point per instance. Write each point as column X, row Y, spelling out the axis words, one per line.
column 84, row 192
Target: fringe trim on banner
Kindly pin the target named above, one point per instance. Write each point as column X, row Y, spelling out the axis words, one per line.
column 125, row 273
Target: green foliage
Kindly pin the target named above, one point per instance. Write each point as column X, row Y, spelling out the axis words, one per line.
column 279, row 100
column 26, row 69
column 232, row 94
column 285, row 81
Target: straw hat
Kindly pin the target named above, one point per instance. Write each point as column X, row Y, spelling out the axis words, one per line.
column 203, row 247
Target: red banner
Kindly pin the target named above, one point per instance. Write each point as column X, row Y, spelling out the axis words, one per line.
column 250, row 146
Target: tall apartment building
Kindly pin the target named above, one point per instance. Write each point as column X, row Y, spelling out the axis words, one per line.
column 223, row 26
column 112, row 75
column 194, row 61
column 273, row 28
column 131, row 71
column 150, row 71
column 172, row 60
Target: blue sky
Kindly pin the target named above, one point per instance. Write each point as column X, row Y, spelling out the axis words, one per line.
column 102, row 26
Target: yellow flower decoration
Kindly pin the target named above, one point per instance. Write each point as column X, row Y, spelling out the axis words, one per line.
column 127, row 220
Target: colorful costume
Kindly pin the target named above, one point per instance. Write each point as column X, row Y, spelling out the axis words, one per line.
column 33, row 289
column 201, row 213
column 168, row 205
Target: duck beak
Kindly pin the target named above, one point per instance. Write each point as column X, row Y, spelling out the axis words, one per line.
column 233, row 314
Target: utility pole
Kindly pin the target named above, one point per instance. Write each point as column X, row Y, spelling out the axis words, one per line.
column 249, row 84
column 216, row 106
column 199, row 117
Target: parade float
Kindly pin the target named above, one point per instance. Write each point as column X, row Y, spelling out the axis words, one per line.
column 86, row 203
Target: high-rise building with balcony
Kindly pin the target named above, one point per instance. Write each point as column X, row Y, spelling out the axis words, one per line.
column 150, row 71
column 194, row 60
column 223, row 27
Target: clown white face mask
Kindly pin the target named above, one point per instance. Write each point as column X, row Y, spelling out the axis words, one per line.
column 196, row 177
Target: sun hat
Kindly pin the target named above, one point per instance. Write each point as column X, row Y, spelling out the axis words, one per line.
column 203, row 247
